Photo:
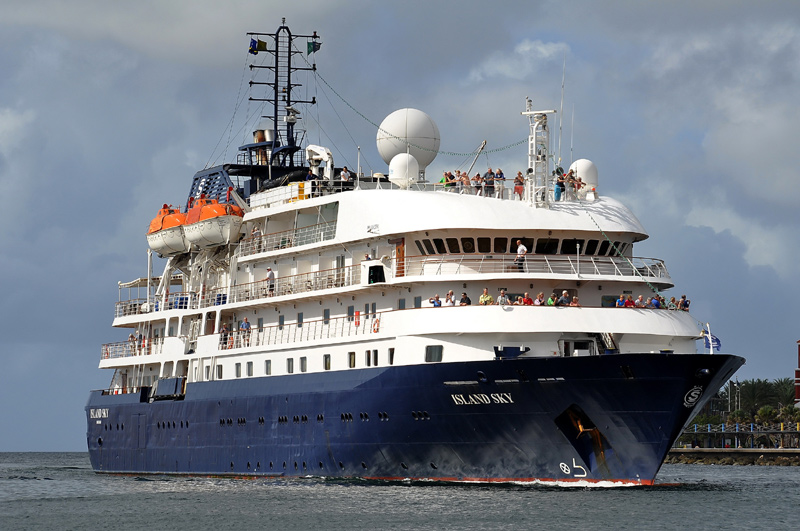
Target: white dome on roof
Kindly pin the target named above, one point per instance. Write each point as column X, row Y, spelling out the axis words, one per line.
column 403, row 170
column 404, row 127
column 586, row 170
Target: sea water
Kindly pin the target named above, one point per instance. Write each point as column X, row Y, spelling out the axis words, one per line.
column 60, row 491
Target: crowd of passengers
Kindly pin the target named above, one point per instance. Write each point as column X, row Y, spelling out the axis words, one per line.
column 657, row 301
column 624, row 301
column 493, row 184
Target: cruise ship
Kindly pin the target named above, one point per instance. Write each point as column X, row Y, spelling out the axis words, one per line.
column 302, row 323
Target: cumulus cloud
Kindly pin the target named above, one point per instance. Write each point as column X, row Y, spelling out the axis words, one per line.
column 527, row 58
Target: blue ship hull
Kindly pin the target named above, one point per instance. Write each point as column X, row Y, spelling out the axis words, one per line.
column 602, row 418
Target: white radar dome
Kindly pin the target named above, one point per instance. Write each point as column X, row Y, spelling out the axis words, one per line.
column 408, row 126
column 403, row 170
column 587, row 171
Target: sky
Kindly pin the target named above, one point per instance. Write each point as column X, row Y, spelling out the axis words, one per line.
column 690, row 110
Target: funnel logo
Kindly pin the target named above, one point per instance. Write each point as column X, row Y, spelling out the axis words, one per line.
column 692, row 396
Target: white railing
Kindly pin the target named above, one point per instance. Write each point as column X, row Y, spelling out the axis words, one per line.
column 448, row 264
column 302, row 283
column 287, row 239
column 132, row 347
column 335, row 327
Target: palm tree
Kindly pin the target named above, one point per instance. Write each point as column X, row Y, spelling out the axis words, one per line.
column 784, row 391
column 755, row 394
column 766, row 415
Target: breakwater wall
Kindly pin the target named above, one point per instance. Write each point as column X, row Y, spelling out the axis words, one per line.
column 735, row 456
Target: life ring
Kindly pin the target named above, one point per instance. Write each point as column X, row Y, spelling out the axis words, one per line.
column 376, row 326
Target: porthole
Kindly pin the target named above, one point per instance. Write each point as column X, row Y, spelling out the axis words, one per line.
column 295, row 465
column 99, row 441
column 304, row 465
column 341, row 465
column 248, row 465
column 284, row 465
column 414, row 415
column 404, row 466
column 270, row 465
column 231, row 465
column 433, row 466
column 363, row 465
column 320, row 465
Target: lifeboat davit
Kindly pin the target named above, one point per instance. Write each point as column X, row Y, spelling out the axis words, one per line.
column 166, row 236
column 210, row 223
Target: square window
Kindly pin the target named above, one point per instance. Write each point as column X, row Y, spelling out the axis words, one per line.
column 351, row 359
column 326, row 362
column 303, row 364
column 290, row 365
column 219, row 372
column 268, row 367
column 249, row 368
column 238, row 368
column 433, row 353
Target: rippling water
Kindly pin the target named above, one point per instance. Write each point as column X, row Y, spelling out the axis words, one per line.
column 60, row 491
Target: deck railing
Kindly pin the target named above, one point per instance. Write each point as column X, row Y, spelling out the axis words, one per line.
column 302, row 283
column 287, row 239
column 335, row 327
column 650, row 269
column 132, row 347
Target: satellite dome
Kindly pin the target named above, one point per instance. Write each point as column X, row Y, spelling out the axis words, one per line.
column 403, row 170
column 586, row 170
column 404, row 127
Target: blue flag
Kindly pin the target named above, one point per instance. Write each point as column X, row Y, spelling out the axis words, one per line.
column 257, row 45
column 710, row 340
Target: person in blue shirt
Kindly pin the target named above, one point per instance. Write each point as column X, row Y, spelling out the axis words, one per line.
column 244, row 329
column 621, row 301
column 437, row 303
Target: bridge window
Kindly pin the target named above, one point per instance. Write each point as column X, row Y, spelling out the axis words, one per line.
column 603, row 248
column 452, row 245
column 419, row 246
column 571, row 246
column 439, row 243
column 484, row 245
column 547, row 246
column 468, row 245
column 428, row 246
column 591, row 247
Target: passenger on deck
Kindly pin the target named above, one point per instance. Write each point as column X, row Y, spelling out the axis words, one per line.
column 569, row 182
column 312, row 180
column 344, row 175
column 629, row 302
column 564, row 299
column 435, row 301
column 520, row 259
column 621, row 301
column 558, row 191
column 519, row 302
column 223, row 336
column 503, row 298
column 539, row 300
column 255, row 234
column 458, row 182
column 552, row 300
column 499, row 184
column 673, row 304
column 477, row 182
column 485, row 299
column 519, row 185
column 683, row 304
column 526, row 300
column 465, row 301
column 450, row 299
column 656, row 303
column 574, row 301
column 488, row 183
column 466, row 188
column 639, row 302
column 244, row 329
column 270, row 282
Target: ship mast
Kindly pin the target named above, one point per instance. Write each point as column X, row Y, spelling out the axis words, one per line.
column 284, row 115
column 536, row 182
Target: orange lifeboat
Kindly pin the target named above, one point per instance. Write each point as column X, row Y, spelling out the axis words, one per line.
column 210, row 223
column 165, row 235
